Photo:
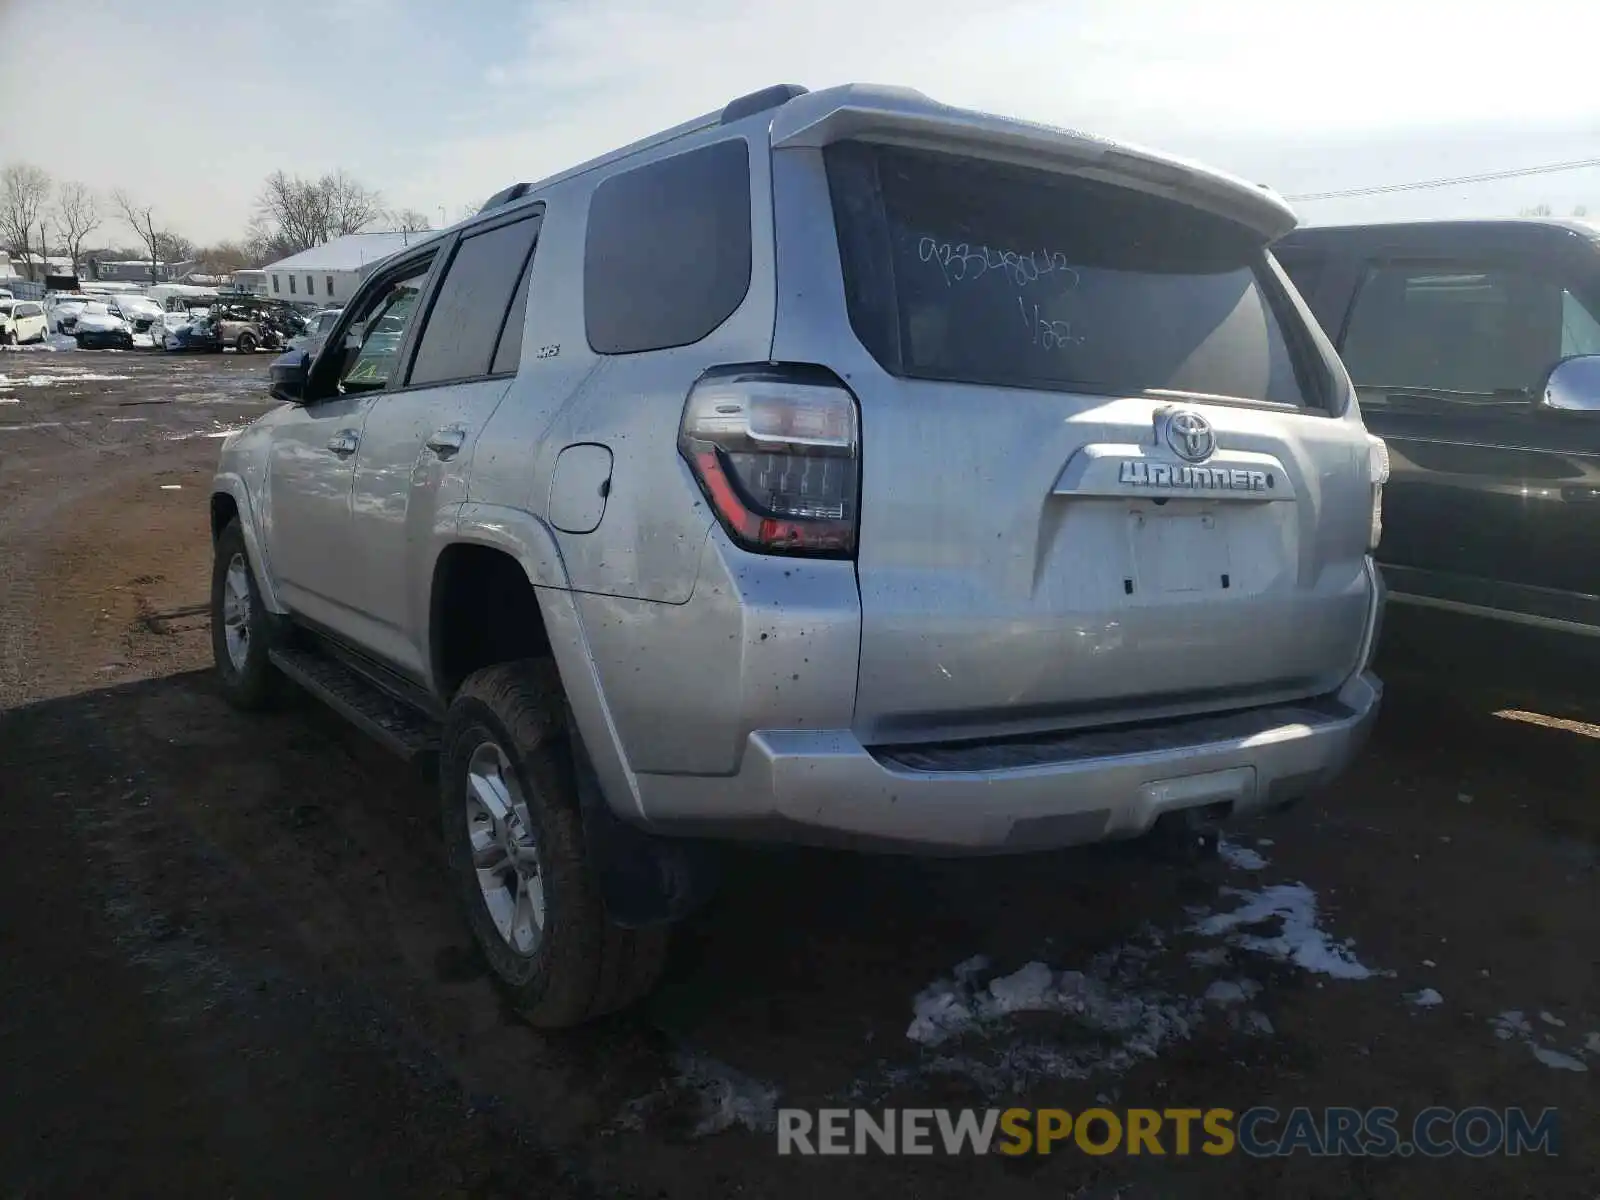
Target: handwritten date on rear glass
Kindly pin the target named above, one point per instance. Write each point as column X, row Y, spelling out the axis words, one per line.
column 1045, row 333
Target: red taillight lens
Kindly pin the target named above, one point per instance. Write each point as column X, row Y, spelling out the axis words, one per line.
column 777, row 453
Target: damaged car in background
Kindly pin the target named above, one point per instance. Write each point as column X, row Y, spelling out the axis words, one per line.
column 98, row 328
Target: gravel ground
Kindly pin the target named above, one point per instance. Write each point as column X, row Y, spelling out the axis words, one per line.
column 232, row 967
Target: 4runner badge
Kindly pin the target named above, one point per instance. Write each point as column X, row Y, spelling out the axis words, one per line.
column 1140, row 473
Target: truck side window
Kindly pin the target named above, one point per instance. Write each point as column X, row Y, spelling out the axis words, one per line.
column 1580, row 331
column 378, row 331
column 1484, row 331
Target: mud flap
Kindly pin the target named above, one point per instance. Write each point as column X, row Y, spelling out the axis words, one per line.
column 644, row 879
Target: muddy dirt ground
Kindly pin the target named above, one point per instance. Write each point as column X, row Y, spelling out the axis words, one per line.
column 231, row 966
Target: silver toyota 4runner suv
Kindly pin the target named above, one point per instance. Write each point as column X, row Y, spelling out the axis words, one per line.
column 839, row 467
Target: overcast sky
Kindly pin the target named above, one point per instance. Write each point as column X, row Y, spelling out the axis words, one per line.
column 441, row 102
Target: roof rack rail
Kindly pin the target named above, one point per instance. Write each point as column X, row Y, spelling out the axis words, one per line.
column 767, row 97
column 505, row 196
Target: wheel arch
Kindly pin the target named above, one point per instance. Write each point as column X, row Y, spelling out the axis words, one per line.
column 527, row 543
column 231, row 499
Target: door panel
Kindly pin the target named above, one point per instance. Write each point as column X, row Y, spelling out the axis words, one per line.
column 419, row 440
column 411, row 468
column 309, row 551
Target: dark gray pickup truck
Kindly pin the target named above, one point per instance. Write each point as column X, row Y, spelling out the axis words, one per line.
column 1475, row 350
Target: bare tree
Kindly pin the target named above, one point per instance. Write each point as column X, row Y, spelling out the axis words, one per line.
column 225, row 258
column 77, row 216
column 142, row 219
column 351, row 206
column 24, row 193
column 175, row 248
column 294, row 214
column 409, row 220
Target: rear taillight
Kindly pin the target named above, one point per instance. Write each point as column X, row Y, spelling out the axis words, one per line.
column 1378, row 472
column 777, row 452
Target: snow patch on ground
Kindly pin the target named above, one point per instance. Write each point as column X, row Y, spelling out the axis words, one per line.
column 203, row 433
column 1116, row 1022
column 1557, row 1060
column 1228, row 992
column 1591, row 1044
column 1299, row 941
column 68, row 376
column 1426, row 998
column 1513, row 1024
column 710, row 1095
column 1241, row 858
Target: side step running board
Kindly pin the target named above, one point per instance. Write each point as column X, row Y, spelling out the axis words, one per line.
column 397, row 725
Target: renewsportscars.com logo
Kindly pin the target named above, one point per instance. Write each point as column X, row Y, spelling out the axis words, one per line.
column 1256, row 1132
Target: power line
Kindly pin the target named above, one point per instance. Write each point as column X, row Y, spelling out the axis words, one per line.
column 1423, row 184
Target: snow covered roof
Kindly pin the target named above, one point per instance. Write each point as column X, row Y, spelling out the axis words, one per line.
column 348, row 253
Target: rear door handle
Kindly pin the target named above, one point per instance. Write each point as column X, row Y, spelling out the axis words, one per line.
column 344, row 442
column 448, row 441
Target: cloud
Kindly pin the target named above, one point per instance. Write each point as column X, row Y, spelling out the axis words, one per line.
column 444, row 104
column 1220, row 80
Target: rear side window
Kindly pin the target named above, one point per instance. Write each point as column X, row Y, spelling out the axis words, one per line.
column 970, row 271
column 667, row 255
column 458, row 342
column 1476, row 328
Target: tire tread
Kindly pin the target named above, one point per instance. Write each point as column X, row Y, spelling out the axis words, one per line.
column 597, row 967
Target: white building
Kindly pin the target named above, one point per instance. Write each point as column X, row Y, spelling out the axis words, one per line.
column 329, row 274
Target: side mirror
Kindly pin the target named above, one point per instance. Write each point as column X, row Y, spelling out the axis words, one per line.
column 1573, row 386
column 289, row 374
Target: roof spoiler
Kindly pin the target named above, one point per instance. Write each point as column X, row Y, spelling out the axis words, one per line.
column 906, row 117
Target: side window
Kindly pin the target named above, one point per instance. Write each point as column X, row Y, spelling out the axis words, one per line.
column 667, row 255
column 372, row 340
column 458, row 341
column 1580, row 331
column 1484, row 331
column 29, row 310
column 509, row 352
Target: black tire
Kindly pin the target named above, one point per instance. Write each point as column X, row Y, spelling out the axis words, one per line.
column 8, row 337
column 246, row 343
column 255, row 684
column 583, row 966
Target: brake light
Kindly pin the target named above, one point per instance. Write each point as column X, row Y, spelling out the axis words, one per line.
column 1378, row 472
column 776, row 450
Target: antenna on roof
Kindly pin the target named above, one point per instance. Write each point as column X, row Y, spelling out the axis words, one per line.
column 768, row 97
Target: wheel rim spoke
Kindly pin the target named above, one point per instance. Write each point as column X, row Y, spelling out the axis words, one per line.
column 504, row 852
column 236, row 611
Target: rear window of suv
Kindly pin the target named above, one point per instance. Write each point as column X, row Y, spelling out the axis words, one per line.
column 970, row 271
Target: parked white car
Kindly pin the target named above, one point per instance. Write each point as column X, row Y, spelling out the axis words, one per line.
column 22, row 321
column 61, row 309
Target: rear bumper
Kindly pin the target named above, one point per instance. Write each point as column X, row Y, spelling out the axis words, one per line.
column 824, row 787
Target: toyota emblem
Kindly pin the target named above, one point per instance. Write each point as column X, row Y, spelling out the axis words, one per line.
column 1189, row 435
